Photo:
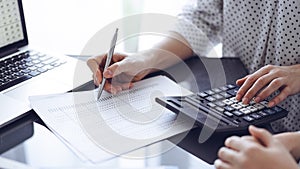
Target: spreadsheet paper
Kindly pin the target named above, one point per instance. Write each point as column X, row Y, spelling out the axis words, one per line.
column 114, row 125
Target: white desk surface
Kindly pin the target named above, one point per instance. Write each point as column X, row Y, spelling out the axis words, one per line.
column 64, row 26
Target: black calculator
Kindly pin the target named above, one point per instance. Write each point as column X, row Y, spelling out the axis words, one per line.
column 219, row 110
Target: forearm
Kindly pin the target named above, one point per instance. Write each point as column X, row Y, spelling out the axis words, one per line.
column 291, row 141
column 169, row 51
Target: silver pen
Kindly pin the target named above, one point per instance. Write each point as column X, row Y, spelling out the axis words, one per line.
column 107, row 63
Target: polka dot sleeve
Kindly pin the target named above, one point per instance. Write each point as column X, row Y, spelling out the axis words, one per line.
column 200, row 23
column 259, row 32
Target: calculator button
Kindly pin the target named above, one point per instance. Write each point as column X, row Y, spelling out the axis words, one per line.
column 256, row 116
column 242, row 104
column 227, row 102
column 277, row 109
column 233, row 99
column 236, row 121
column 219, row 109
column 245, row 110
column 269, row 111
column 264, row 103
column 236, row 106
column 228, row 114
column 212, row 105
column 210, row 99
column 262, row 114
column 209, row 92
column 248, row 118
column 202, row 94
column 259, row 106
column 252, row 108
column 252, row 102
column 224, row 88
column 216, row 90
column 232, row 92
column 217, row 96
column 220, row 104
column 226, row 95
column 230, row 86
column 229, row 108
column 237, row 113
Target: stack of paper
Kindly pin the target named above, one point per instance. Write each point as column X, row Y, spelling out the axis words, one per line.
column 114, row 125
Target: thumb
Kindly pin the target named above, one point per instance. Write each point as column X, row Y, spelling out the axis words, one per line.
column 262, row 135
column 116, row 69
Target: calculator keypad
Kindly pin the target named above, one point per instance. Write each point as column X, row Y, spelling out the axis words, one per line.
column 221, row 106
column 223, row 101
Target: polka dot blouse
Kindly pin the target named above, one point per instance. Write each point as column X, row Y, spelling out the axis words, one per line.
column 260, row 32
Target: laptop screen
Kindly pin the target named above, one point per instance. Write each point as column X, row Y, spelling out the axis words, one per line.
column 12, row 25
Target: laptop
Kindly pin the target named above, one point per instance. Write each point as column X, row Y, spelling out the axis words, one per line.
column 25, row 72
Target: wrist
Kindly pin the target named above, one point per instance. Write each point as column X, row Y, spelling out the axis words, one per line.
column 295, row 140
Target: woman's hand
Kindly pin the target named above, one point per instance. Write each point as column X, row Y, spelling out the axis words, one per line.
column 266, row 81
column 261, row 150
column 123, row 71
column 291, row 142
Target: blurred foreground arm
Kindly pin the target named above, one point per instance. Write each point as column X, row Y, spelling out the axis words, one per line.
column 260, row 150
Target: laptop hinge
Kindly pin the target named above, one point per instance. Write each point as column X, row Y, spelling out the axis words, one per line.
column 8, row 52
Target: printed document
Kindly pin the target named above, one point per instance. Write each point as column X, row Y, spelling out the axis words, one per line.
column 98, row 130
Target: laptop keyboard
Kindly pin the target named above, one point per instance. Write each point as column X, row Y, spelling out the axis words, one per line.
column 25, row 66
column 224, row 112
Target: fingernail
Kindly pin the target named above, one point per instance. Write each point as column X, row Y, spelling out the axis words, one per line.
column 271, row 104
column 109, row 72
column 245, row 100
column 257, row 99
